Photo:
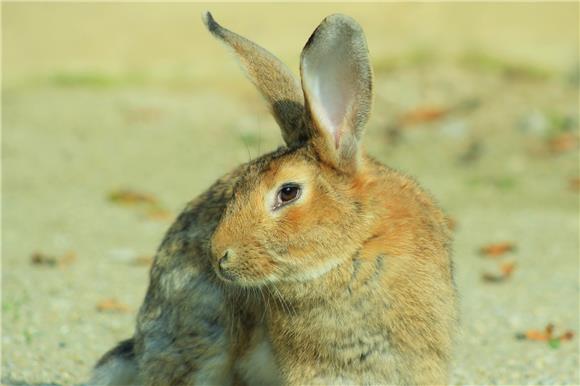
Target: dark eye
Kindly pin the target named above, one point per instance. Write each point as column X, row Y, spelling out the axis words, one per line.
column 287, row 194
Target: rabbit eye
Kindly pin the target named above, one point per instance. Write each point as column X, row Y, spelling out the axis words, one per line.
column 287, row 194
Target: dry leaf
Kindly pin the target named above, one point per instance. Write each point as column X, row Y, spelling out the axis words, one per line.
column 546, row 336
column 39, row 258
column 536, row 335
column 497, row 249
column 146, row 203
column 492, row 277
column 563, row 142
column 130, row 197
column 549, row 331
column 423, row 114
column 506, row 271
column 568, row 335
column 158, row 213
column 112, row 305
column 143, row 260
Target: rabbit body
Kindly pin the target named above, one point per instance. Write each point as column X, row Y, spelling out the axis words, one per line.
column 313, row 264
column 383, row 310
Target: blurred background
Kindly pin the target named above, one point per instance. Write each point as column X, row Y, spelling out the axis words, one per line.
column 115, row 115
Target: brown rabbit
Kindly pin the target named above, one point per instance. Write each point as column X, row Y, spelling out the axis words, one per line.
column 313, row 264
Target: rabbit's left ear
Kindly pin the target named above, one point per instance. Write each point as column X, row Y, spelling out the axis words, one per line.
column 337, row 85
column 271, row 77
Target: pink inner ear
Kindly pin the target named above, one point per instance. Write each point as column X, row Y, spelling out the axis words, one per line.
column 329, row 98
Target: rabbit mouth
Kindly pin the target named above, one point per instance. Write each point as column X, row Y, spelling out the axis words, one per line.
column 227, row 275
column 240, row 278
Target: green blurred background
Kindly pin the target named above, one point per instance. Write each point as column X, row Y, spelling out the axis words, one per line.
column 479, row 101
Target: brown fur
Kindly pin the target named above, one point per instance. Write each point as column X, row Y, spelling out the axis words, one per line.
column 349, row 284
column 387, row 312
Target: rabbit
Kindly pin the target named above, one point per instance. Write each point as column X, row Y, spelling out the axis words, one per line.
column 312, row 264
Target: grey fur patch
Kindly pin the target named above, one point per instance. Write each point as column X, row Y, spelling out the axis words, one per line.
column 117, row 366
column 213, row 25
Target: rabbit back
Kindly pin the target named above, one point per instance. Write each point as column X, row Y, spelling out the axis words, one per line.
column 184, row 330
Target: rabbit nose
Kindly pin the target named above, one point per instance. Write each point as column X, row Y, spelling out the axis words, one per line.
column 225, row 266
column 223, row 260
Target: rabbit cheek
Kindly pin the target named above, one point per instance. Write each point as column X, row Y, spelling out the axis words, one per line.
column 251, row 271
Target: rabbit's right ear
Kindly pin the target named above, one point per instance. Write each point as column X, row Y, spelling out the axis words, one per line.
column 272, row 78
column 337, row 83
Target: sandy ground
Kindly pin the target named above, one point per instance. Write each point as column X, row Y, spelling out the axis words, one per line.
column 98, row 98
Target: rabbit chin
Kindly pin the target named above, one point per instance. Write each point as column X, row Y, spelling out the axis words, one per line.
column 237, row 278
column 301, row 275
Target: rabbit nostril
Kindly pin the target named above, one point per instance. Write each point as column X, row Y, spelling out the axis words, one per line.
column 223, row 260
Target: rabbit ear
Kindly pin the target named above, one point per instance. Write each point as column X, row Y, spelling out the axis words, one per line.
column 272, row 78
column 337, row 84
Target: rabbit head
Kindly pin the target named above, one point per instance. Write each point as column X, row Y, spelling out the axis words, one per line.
column 296, row 213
